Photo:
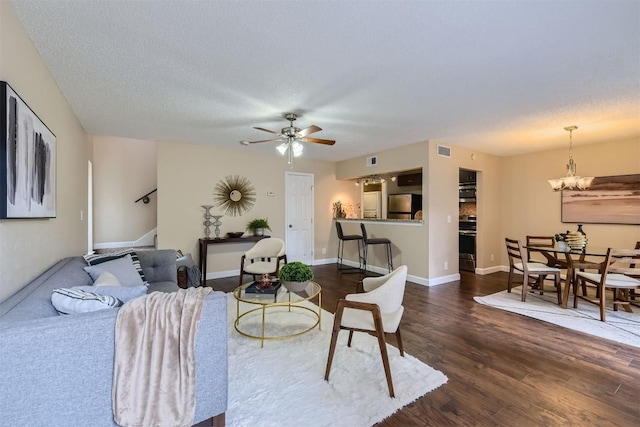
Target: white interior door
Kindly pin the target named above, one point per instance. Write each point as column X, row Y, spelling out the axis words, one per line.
column 299, row 217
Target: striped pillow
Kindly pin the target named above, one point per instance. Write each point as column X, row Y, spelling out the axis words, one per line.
column 95, row 259
column 72, row 301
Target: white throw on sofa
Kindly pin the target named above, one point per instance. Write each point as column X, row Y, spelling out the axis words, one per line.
column 57, row 369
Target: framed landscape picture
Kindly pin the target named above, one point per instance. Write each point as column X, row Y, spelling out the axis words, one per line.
column 609, row 200
column 27, row 161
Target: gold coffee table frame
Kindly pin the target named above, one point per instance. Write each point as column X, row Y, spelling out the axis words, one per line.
column 283, row 298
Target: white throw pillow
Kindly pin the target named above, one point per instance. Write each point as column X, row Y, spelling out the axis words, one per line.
column 72, row 301
column 122, row 268
column 123, row 293
column 107, row 279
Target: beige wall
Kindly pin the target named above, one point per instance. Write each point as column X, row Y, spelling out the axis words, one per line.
column 123, row 171
column 409, row 242
column 530, row 207
column 28, row 247
column 187, row 176
column 514, row 200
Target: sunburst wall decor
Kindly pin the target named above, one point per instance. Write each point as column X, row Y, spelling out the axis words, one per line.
column 235, row 195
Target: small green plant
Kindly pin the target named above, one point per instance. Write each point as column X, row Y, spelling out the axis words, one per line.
column 295, row 271
column 258, row 223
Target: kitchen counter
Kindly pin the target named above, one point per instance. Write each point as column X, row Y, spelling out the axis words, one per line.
column 384, row 221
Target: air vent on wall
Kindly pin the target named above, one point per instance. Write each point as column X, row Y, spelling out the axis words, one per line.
column 372, row 161
column 444, row 151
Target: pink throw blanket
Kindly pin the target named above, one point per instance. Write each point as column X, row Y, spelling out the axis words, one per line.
column 154, row 375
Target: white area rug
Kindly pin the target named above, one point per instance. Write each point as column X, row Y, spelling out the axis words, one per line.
column 620, row 326
column 283, row 383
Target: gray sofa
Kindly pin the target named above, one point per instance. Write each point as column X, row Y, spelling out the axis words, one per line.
column 57, row 369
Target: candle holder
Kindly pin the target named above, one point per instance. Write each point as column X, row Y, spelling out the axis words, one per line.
column 217, row 224
column 207, row 220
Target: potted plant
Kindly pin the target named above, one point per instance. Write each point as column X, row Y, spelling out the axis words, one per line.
column 338, row 212
column 258, row 225
column 295, row 276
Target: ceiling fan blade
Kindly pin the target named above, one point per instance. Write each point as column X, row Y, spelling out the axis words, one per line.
column 308, row 131
column 319, row 141
column 265, row 140
column 267, row 130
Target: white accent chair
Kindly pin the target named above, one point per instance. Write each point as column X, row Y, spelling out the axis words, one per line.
column 378, row 309
column 533, row 272
column 263, row 258
column 615, row 274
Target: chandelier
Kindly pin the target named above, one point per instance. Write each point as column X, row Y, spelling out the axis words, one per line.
column 292, row 147
column 571, row 181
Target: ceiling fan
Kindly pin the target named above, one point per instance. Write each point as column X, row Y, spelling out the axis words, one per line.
column 291, row 137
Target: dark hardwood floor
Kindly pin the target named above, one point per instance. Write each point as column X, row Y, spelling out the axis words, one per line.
column 504, row 369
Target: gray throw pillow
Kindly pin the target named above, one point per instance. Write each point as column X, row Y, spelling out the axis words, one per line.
column 122, row 268
column 95, row 259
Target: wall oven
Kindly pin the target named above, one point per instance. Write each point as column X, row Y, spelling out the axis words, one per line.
column 467, row 242
column 467, row 192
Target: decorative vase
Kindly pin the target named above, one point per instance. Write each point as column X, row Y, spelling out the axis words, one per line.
column 207, row 220
column 580, row 230
column 562, row 246
column 217, row 223
column 576, row 241
column 295, row 286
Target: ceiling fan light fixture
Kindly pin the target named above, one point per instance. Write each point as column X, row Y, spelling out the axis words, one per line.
column 297, row 148
column 282, row 148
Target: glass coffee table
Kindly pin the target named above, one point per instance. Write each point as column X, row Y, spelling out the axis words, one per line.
column 249, row 305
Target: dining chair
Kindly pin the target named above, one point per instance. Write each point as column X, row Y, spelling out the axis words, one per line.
column 620, row 273
column 532, row 272
column 263, row 258
column 533, row 255
column 378, row 309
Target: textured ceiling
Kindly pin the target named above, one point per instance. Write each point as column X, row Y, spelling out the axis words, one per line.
column 503, row 77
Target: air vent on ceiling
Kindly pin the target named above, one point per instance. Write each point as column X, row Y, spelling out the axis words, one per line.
column 372, row 161
column 444, row 151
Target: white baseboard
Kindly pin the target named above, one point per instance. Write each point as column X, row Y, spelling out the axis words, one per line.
column 489, row 270
column 112, row 245
column 147, row 240
column 411, row 278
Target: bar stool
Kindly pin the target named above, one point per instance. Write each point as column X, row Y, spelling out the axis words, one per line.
column 341, row 239
column 377, row 241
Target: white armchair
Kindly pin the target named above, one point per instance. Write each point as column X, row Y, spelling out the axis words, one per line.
column 378, row 309
column 263, row 258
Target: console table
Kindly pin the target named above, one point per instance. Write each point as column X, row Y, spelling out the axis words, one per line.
column 203, row 245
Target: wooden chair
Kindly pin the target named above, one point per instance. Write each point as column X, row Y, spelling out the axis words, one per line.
column 529, row 270
column 616, row 275
column 263, row 258
column 379, row 310
column 549, row 259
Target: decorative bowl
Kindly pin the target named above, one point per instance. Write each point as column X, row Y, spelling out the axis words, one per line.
column 235, row 233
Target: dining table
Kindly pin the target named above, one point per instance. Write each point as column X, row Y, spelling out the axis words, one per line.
column 575, row 260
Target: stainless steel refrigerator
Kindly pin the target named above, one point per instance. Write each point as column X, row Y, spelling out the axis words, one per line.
column 404, row 206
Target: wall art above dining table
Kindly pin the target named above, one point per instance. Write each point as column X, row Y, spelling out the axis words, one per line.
column 609, row 200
